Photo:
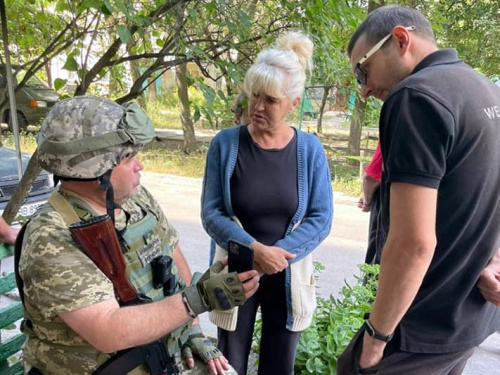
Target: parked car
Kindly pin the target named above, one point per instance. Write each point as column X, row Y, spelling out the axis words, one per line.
column 9, row 179
column 33, row 100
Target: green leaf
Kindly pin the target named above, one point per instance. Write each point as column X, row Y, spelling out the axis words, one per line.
column 70, row 64
column 41, row 17
column 196, row 115
column 59, row 83
column 62, row 6
column 106, row 8
column 221, row 95
column 122, row 7
column 93, row 4
column 124, row 34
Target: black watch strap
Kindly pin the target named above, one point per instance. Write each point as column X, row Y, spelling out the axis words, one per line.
column 376, row 335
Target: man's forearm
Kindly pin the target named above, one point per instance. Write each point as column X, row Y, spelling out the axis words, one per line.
column 370, row 184
column 114, row 328
column 407, row 253
column 121, row 328
column 401, row 273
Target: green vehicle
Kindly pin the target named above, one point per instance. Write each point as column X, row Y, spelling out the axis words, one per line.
column 33, row 100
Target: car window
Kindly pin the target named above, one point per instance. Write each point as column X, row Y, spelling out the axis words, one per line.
column 32, row 81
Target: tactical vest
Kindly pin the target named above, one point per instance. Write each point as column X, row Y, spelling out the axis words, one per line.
column 142, row 242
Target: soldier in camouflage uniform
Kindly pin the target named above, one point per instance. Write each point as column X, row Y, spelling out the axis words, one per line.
column 73, row 320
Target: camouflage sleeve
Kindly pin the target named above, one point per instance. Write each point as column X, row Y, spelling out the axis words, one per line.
column 147, row 199
column 58, row 276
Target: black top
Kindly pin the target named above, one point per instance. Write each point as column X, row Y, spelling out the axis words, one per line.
column 440, row 128
column 264, row 191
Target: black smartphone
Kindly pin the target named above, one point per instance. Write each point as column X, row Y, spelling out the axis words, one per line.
column 240, row 257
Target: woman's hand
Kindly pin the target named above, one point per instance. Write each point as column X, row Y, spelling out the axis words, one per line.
column 270, row 259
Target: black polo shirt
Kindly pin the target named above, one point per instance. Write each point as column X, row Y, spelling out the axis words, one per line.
column 440, row 128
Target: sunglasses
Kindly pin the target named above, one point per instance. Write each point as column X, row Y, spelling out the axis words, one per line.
column 360, row 73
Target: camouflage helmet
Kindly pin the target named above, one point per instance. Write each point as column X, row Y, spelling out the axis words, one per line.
column 84, row 137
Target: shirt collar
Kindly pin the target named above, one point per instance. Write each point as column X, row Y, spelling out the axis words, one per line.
column 440, row 57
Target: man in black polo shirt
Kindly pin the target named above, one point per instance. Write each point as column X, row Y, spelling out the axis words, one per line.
column 440, row 137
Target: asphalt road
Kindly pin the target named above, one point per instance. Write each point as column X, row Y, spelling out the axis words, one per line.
column 340, row 253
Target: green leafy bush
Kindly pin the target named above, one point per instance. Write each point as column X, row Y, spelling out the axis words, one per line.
column 335, row 322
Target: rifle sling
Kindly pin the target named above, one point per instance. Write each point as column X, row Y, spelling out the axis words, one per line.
column 64, row 209
column 153, row 355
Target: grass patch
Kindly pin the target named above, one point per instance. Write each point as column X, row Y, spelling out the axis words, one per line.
column 27, row 141
column 348, row 186
column 159, row 159
column 164, row 119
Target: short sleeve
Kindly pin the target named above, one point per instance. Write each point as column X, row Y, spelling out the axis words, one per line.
column 416, row 136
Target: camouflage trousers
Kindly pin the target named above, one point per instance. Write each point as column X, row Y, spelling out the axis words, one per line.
column 200, row 368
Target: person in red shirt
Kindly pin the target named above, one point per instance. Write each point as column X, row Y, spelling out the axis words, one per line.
column 370, row 202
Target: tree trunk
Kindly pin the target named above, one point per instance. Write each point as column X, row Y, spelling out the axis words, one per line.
column 33, row 169
column 135, row 73
column 48, row 70
column 185, row 113
column 357, row 120
column 152, row 89
column 358, row 115
column 321, row 110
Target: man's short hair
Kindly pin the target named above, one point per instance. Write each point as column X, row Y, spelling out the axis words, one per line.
column 381, row 21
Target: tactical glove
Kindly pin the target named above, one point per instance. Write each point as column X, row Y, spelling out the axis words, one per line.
column 214, row 290
column 200, row 345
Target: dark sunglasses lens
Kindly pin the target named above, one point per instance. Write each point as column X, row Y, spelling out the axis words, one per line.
column 360, row 75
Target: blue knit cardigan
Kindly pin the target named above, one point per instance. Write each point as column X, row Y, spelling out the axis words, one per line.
column 314, row 211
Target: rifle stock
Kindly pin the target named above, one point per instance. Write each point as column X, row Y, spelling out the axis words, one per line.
column 98, row 239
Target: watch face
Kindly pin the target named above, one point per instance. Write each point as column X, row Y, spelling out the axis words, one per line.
column 369, row 328
column 372, row 333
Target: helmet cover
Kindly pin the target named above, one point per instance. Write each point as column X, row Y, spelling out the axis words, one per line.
column 84, row 137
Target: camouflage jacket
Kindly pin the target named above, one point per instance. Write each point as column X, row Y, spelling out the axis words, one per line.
column 58, row 277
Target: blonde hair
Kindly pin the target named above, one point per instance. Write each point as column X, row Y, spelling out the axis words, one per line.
column 281, row 70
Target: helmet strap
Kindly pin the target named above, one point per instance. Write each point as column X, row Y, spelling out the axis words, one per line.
column 111, row 205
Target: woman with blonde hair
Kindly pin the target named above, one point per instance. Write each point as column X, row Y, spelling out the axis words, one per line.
column 267, row 186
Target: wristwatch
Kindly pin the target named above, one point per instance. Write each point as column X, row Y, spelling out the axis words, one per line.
column 376, row 335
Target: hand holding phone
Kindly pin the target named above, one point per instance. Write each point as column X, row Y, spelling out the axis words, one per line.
column 240, row 257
